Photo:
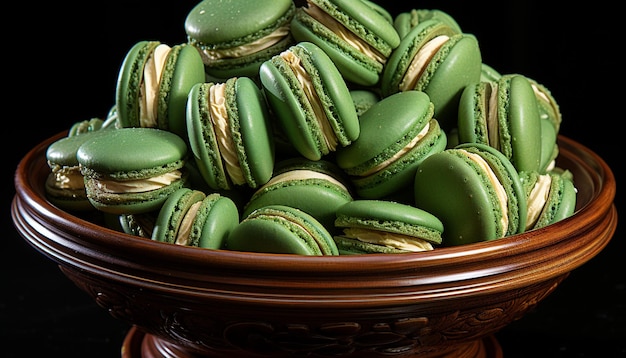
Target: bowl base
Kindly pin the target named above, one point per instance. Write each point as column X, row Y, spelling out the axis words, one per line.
column 139, row 344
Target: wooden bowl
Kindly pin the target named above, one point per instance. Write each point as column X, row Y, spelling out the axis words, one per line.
column 189, row 302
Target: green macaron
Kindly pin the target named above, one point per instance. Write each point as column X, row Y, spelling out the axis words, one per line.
column 234, row 37
column 190, row 217
column 551, row 197
column 378, row 226
column 488, row 73
column 315, row 187
column 140, row 225
column 549, row 108
column 363, row 99
column 310, row 100
column 283, row 230
column 434, row 58
column 230, row 134
column 474, row 190
column 503, row 114
column 132, row 170
column 356, row 36
column 397, row 134
column 549, row 146
column 153, row 83
column 65, row 186
column 405, row 21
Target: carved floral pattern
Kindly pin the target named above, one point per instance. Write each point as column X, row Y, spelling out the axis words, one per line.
column 401, row 335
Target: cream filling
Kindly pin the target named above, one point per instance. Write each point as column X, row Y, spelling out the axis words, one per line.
column 247, row 49
column 68, row 178
column 149, row 92
column 301, row 174
column 344, row 33
column 307, row 85
column 493, row 125
column 219, row 119
column 499, row 189
column 388, row 239
column 182, row 236
column 537, row 199
column 399, row 154
column 419, row 62
column 139, row 185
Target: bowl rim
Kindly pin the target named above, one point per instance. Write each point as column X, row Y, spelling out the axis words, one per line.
column 30, row 199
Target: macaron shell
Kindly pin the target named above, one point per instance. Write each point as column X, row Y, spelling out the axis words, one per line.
column 333, row 92
column 372, row 26
column 318, row 197
column 279, row 91
column 184, row 69
column 266, row 236
column 245, row 66
column 509, row 178
column 252, row 127
column 173, row 212
column 61, row 156
column 281, row 229
column 549, row 145
column 457, row 64
column 354, row 65
column 400, row 60
column 132, row 153
column 391, row 217
column 63, row 151
column 233, row 23
column 363, row 99
column 216, row 218
column 348, row 246
column 521, row 115
column 405, row 21
column 129, row 82
column 202, row 138
column 410, row 111
column 450, row 189
column 561, row 202
column 398, row 176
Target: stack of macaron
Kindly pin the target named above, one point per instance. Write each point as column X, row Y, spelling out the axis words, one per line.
column 325, row 127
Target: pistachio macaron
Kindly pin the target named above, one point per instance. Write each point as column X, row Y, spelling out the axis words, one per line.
column 551, row 197
column 229, row 133
column 65, row 185
column 310, row 100
column 281, row 229
column 503, row 114
column 474, row 190
column 381, row 226
column 405, row 21
column 234, row 37
column 433, row 57
column 132, row 170
column 190, row 217
column 397, row 134
column 315, row 187
column 356, row 35
column 153, row 83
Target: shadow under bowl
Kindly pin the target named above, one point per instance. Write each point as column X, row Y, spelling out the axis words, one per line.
column 191, row 302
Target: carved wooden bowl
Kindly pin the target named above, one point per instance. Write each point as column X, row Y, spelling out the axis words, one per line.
column 190, row 302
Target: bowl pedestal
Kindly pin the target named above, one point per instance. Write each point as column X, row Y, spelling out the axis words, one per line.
column 139, row 344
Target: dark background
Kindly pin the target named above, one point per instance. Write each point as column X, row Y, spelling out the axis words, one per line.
column 61, row 65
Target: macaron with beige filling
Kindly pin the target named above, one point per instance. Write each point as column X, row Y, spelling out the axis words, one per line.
column 310, row 100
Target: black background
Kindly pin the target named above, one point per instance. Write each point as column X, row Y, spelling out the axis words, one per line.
column 60, row 67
